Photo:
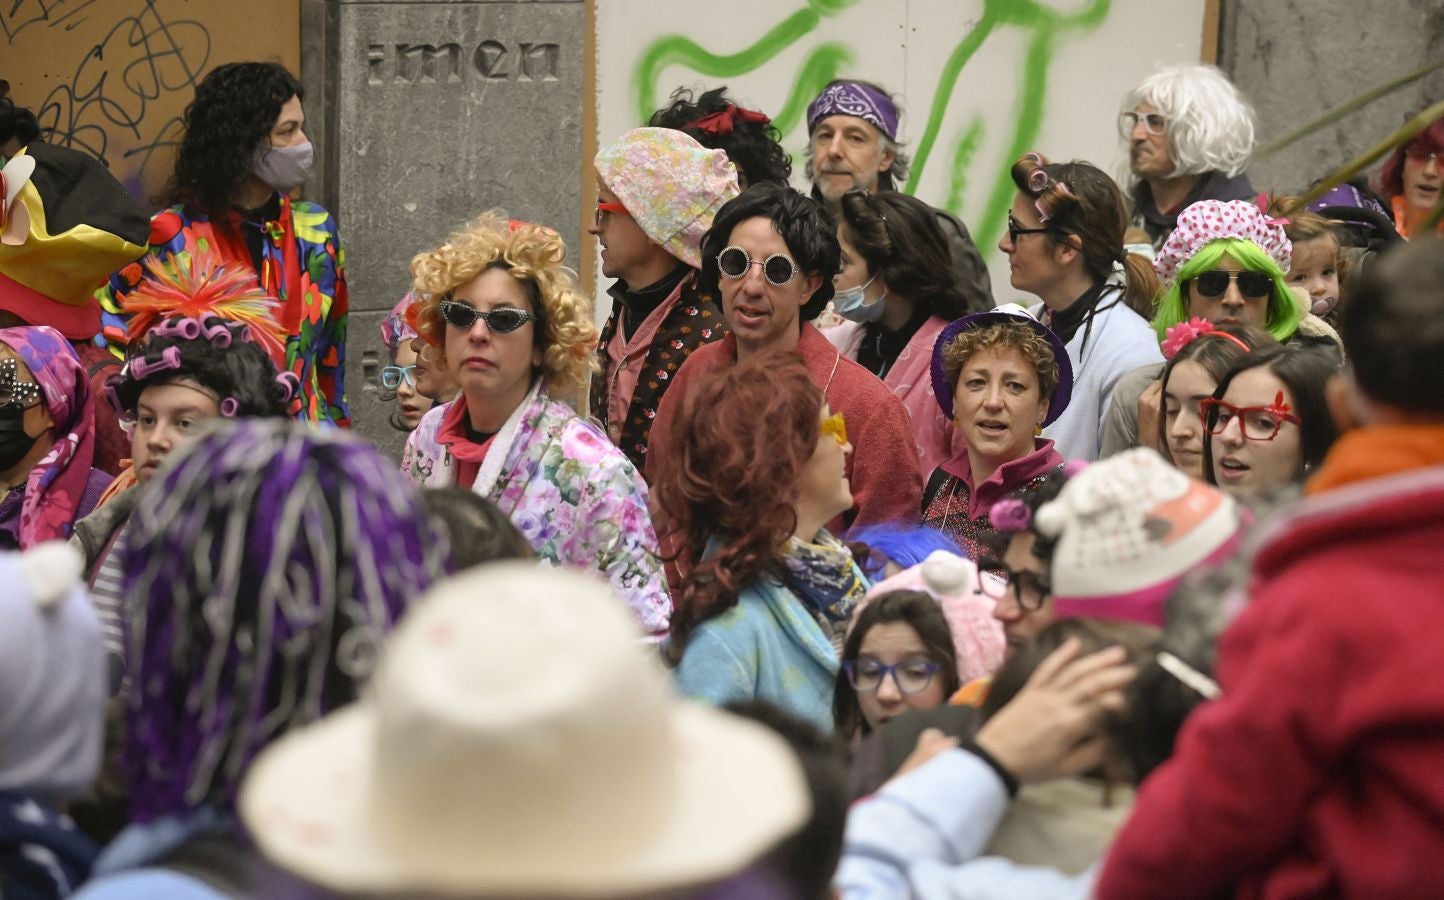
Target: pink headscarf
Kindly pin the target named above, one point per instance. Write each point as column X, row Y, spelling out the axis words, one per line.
column 55, row 486
column 395, row 328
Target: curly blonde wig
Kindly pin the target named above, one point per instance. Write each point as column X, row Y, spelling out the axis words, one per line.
column 1031, row 344
column 533, row 255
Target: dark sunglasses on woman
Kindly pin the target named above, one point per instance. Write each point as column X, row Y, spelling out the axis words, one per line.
column 502, row 320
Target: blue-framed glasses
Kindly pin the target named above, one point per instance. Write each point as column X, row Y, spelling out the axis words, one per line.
column 391, row 376
column 911, row 675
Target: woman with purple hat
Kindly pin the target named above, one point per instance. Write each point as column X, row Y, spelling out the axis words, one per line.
column 1001, row 377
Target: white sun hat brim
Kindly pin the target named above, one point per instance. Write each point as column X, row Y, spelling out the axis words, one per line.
column 736, row 790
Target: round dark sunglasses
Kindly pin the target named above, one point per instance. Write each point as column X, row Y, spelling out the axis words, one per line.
column 1254, row 285
column 778, row 269
column 502, row 321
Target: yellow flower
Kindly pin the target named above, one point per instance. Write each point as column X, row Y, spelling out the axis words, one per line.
column 308, row 225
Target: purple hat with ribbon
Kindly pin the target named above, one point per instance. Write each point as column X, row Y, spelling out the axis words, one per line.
column 1007, row 313
column 852, row 98
column 1346, row 195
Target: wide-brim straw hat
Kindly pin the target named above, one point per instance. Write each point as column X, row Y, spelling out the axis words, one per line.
column 519, row 739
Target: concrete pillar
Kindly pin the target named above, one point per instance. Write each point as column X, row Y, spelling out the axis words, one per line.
column 431, row 113
column 1297, row 58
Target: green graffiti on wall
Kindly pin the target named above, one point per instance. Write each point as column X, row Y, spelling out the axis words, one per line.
column 1043, row 28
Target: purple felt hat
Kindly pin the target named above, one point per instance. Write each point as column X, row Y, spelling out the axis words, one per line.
column 1008, row 312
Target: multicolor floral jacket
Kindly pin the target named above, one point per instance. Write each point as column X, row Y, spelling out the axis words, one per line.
column 575, row 496
column 303, row 265
column 686, row 320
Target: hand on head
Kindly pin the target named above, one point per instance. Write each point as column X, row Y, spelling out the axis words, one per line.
column 1052, row 727
column 931, row 743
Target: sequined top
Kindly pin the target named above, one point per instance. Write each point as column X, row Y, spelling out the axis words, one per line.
column 955, row 507
column 948, row 513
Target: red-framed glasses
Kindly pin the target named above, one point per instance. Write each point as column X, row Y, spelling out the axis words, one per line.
column 1256, row 423
column 604, row 209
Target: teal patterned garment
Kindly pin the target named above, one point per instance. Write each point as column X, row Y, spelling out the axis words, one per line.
column 767, row 647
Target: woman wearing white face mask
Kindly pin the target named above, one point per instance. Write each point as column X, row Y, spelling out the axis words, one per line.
column 244, row 151
column 897, row 290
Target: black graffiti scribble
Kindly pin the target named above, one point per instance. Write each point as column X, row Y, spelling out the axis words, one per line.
column 17, row 15
column 140, row 59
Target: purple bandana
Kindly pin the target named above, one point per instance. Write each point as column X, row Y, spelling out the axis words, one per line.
column 848, row 98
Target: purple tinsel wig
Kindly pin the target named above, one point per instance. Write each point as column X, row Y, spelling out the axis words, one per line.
column 262, row 569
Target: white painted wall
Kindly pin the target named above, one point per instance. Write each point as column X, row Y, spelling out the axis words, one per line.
column 1088, row 54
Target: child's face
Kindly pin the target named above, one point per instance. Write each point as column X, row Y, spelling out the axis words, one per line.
column 1316, row 270
column 409, row 401
column 166, row 417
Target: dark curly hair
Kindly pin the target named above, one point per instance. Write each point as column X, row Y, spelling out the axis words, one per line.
column 238, row 368
column 899, row 238
column 16, row 122
column 235, row 108
column 734, row 481
column 717, row 122
column 806, row 228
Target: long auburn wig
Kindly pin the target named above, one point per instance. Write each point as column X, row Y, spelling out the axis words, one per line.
column 744, row 432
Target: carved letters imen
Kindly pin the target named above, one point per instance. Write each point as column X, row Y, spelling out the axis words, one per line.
column 451, row 63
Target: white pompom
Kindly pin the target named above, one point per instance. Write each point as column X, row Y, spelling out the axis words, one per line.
column 52, row 568
column 947, row 574
column 1051, row 517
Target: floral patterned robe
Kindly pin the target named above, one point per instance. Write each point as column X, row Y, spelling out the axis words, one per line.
column 574, row 495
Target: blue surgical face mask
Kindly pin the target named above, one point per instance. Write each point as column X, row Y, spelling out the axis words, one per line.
column 851, row 304
column 283, row 168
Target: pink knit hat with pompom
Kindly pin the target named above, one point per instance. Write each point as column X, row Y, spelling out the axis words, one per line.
column 953, row 581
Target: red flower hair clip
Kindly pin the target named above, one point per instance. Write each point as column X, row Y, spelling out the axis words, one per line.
column 1184, row 333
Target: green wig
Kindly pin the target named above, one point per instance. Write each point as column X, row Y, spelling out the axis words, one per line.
column 1284, row 312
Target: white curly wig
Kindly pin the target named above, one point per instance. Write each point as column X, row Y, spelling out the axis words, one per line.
column 1210, row 123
